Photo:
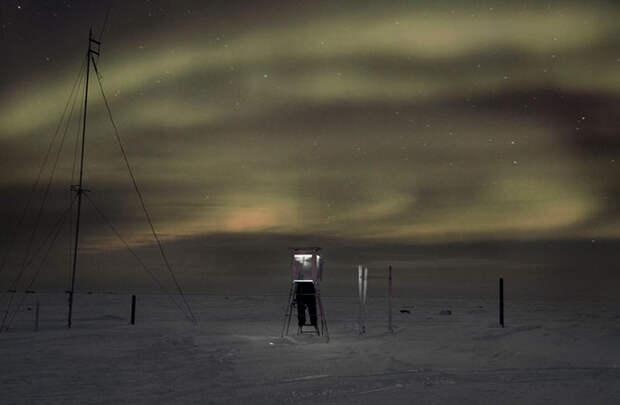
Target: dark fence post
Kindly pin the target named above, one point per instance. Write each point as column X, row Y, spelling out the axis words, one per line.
column 133, row 309
column 36, row 317
column 501, row 302
column 390, row 328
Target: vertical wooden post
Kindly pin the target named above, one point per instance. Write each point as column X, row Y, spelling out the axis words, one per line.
column 133, row 309
column 36, row 317
column 390, row 329
column 501, row 302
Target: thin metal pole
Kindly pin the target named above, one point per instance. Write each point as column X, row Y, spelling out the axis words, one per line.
column 79, row 187
column 323, row 331
column 390, row 329
column 133, row 309
column 289, row 311
column 501, row 302
column 365, row 314
column 359, row 295
column 360, row 292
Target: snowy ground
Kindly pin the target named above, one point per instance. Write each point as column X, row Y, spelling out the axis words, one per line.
column 548, row 353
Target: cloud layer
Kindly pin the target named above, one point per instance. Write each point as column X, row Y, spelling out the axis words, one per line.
column 419, row 123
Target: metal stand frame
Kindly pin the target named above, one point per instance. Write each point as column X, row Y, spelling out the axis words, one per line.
column 288, row 316
column 321, row 329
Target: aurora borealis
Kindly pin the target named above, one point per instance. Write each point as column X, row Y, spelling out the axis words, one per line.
column 407, row 123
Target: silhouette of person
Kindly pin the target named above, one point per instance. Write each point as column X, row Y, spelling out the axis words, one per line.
column 306, row 299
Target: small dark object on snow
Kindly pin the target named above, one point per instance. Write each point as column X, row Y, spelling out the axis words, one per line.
column 405, row 311
column 445, row 312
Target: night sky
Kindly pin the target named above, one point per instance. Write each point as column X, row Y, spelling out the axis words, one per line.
column 456, row 140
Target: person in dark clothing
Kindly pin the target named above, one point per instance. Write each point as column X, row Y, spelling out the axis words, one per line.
column 306, row 299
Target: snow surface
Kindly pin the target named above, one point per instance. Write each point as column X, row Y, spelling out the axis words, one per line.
column 549, row 352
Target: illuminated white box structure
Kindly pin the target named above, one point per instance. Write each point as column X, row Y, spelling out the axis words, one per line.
column 307, row 264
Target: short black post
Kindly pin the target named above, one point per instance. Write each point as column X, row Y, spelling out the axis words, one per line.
column 390, row 329
column 133, row 309
column 501, row 302
column 36, row 317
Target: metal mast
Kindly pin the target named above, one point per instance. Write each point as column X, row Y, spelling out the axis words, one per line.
column 78, row 189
